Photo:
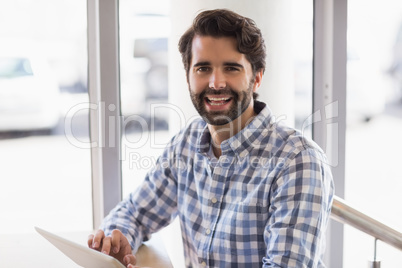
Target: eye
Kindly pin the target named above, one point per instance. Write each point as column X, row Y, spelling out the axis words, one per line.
column 231, row 69
column 203, row 69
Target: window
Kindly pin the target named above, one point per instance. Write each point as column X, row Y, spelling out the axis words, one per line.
column 45, row 180
column 144, row 33
column 374, row 124
column 302, row 51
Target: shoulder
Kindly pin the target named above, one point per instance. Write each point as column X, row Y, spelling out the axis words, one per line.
column 290, row 143
column 187, row 137
column 277, row 138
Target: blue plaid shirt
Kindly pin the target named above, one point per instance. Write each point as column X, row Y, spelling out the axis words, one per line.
column 264, row 203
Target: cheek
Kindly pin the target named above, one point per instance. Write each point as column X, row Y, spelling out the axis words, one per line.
column 240, row 84
column 197, row 85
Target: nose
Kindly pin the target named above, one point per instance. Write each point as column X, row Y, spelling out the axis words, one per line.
column 217, row 80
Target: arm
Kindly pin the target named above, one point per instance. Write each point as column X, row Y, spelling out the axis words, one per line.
column 143, row 212
column 148, row 209
column 300, row 205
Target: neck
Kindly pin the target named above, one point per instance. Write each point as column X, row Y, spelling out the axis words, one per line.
column 224, row 132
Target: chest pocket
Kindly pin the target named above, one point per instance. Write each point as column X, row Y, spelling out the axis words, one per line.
column 242, row 232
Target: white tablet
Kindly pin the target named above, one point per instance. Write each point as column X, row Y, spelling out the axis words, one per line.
column 80, row 254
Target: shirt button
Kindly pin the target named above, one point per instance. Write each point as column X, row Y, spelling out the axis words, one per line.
column 214, row 200
column 203, row 264
column 208, row 231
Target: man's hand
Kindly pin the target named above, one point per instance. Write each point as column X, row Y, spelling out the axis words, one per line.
column 115, row 245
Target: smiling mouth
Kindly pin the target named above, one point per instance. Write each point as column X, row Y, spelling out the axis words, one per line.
column 217, row 101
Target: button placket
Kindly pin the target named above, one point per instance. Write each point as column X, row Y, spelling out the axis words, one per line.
column 220, row 174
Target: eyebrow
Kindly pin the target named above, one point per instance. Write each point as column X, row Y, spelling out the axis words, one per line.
column 233, row 64
column 206, row 63
column 201, row 63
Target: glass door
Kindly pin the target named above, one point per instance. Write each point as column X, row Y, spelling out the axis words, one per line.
column 45, row 177
column 144, row 33
column 374, row 125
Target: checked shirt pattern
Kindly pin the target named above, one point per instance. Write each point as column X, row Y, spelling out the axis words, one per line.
column 264, row 203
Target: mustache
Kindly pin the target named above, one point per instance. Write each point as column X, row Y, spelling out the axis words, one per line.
column 224, row 91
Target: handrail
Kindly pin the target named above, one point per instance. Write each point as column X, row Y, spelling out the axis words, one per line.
column 348, row 215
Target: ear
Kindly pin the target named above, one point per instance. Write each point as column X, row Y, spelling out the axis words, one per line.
column 258, row 80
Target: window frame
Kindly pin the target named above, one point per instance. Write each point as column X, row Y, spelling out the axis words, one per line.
column 329, row 103
column 105, row 114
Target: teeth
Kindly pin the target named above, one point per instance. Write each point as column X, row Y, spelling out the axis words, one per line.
column 218, row 99
column 216, row 104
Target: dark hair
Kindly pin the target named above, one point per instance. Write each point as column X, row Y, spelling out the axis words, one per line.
column 226, row 23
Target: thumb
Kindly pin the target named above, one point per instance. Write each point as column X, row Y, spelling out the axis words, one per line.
column 129, row 259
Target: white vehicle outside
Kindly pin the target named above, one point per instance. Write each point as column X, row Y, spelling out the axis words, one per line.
column 29, row 94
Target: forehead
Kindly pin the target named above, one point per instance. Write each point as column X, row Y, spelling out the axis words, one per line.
column 208, row 48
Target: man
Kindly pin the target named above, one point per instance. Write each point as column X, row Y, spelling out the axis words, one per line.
column 249, row 192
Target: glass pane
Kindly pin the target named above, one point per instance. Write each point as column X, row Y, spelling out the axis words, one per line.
column 144, row 32
column 302, row 41
column 374, row 125
column 45, row 177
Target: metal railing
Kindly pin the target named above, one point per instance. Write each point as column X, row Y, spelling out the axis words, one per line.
column 348, row 215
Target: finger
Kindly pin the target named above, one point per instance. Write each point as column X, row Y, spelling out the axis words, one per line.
column 130, row 259
column 90, row 240
column 106, row 245
column 116, row 241
column 97, row 240
column 124, row 244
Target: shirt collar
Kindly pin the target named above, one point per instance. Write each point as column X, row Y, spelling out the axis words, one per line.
column 241, row 143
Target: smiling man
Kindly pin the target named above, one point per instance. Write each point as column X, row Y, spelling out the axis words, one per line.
column 249, row 192
column 221, row 80
column 221, row 84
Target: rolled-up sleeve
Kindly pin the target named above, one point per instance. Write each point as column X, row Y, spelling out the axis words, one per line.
column 151, row 207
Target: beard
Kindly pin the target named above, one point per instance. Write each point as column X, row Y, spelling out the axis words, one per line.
column 240, row 102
